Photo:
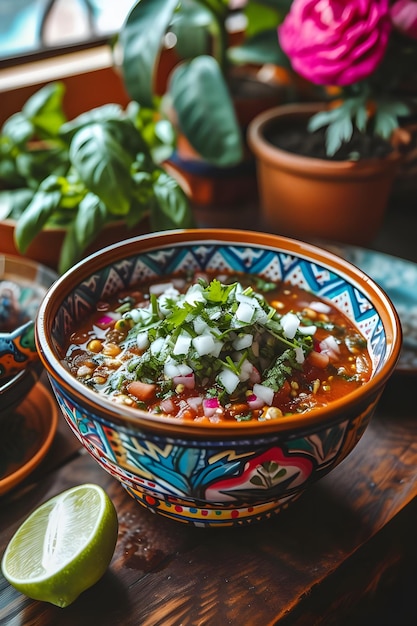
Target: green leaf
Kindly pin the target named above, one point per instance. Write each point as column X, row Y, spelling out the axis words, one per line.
column 336, row 133
column 323, row 118
column 13, row 202
column 361, row 119
column 385, row 124
column 138, row 211
column 35, row 165
column 18, row 128
column 191, row 27
column 34, row 218
column 103, row 113
column 141, row 39
column 261, row 17
column 103, row 164
column 205, row 111
column 260, row 49
column 217, row 292
column 90, row 218
column 386, row 117
column 171, row 208
column 44, row 109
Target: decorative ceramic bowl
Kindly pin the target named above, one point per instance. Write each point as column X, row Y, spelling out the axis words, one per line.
column 216, row 475
column 23, row 284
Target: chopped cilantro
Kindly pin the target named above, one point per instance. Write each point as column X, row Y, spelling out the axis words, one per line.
column 207, row 322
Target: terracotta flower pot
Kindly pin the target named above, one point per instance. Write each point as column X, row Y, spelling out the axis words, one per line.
column 310, row 198
column 46, row 246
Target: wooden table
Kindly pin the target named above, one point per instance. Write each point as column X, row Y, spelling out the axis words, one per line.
column 343, row 554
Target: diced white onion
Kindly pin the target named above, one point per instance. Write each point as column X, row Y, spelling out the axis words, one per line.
column 169, row 294
column 141, row 315
column 244, row 312
column 195, row 402
column 320, row 307
column 246, row 370
column 218, row 345
column 264, row 392
column 240, row 297
column 261, row 316
column 299, row 355
column 242, row 342
column 194, row 294
column 172, row 369
column 215, row 315
column 228, row 379
column 160, row 288
column 330, row 346
column 183, row 343
column 167, row 406
column 204, row 344
column 188, row 381
column 200, row 325
column 290, row 323
column 307, row 330
column 157, row 345
column 142, row 340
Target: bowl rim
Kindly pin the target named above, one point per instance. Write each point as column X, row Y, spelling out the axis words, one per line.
column 335, row 412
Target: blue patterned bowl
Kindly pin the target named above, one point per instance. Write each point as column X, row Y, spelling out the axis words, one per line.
column 23, row 284
column 226, row 475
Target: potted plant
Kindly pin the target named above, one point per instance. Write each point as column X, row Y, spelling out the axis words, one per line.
column 70, row 187
column 208, row 68
column 363, row 58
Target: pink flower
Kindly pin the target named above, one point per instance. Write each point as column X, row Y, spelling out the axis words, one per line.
column 404, row 17
column 335, row 42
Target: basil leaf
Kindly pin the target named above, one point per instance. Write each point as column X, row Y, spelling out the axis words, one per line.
column 13, row 202
column 90, row 218
column 171, row 208
column 34, row 218
column 103, row 165
column 45, row 111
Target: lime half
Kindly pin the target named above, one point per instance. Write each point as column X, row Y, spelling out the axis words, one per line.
column 64, row 546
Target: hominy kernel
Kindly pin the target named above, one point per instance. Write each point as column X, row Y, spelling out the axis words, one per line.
column 310, row 313
column 123, row 325
column 84, row 371
column 316, row 385
column 112, row 364
column 99, row 380
column 95, row 345
column 179, row 388
column 121, row 398
column 272, row 413
column 111, row 349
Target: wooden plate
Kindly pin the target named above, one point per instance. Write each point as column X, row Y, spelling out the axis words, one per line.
column 26, row 434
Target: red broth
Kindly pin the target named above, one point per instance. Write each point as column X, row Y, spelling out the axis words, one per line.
column 213, row 348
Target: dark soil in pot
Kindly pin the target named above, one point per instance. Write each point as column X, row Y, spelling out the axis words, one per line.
column 297, row 139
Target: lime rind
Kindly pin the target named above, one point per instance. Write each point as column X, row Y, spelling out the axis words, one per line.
column 64, row 546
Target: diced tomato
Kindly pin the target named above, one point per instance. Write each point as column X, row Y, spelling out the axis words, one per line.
column 142, row 391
